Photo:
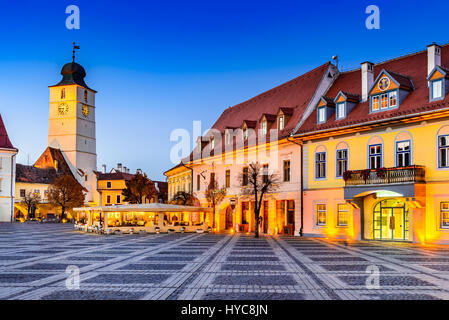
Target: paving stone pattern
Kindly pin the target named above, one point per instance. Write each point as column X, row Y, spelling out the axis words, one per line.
column 36, row 259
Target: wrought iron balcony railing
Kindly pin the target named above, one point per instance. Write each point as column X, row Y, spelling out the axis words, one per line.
column 412, row 174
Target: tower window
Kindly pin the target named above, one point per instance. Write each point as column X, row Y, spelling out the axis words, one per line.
column 85, row 95
column 63, row 94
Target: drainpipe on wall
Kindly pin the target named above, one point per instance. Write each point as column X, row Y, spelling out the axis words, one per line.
column 12, row 189
column 191, row 179
column 302, row 185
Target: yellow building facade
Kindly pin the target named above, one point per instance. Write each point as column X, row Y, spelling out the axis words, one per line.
column 376, row 161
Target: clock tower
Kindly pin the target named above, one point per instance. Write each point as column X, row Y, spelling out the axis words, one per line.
column 71, row 125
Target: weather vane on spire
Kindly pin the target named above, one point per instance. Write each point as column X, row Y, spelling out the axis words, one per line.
column 75, row 47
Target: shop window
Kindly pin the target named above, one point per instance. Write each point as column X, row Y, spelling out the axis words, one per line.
column 444, row 206
column 320, row 214
column 291, row 212
column 245, row 212
column 342, row 215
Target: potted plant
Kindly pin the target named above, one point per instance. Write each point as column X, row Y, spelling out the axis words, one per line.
column 365, row 174
column 347, row 175
column 381, row 172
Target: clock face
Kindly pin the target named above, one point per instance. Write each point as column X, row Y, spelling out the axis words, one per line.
column 85, row 111
column 63, row 108
column 384, row 83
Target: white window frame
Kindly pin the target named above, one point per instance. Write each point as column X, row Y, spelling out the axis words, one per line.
column 439, row 88
column 341, row 110
column 322, row 115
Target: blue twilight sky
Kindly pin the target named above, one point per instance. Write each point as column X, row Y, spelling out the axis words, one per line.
column 159, row 65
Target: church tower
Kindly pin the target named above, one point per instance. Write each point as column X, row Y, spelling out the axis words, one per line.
column 71, row 125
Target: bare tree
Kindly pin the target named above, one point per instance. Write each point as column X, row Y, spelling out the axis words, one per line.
column 214, row 196
column 256, row 181
column 31, row 200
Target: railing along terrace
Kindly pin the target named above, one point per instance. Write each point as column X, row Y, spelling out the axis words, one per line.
column 385, row 175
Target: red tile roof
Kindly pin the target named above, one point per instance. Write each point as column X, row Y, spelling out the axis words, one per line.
column 115, row 176
column 404, row 69
column 5, row 143
column 295, row 94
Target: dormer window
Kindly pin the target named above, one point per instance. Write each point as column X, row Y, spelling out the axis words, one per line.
column 263, row 126
column 212, row 143
column 389, row 90
column 281, row 123
column 438, row 83
column 245, row 134
column 437, row 89
column 341, row 110
column 321, row 114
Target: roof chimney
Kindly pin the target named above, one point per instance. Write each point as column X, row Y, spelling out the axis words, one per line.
column 119, row 167
column 139, row 171
column 433, row 57
column 124, row 169
column 103, row 168
column 367, row 78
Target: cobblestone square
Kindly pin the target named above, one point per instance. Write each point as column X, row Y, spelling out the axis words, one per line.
column 34, row 262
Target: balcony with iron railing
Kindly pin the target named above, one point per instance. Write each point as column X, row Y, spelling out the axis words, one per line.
column 385, row 176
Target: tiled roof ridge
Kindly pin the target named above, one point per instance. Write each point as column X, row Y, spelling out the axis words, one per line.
column 393, row 59
column 273, row 90
column 415, row 111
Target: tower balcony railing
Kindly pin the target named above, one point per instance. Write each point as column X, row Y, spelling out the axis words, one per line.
column 411, row 174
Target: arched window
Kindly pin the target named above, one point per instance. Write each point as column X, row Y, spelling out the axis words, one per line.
column 375, row 153
column 342, row 159
column 320, row 162
column 403, row 149
column 443, row 147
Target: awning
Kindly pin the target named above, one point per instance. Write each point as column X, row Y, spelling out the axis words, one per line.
column 147, row 207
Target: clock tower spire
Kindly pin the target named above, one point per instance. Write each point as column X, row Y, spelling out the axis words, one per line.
column 71, row 125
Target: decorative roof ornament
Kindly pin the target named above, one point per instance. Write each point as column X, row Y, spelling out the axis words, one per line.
column 75, row 47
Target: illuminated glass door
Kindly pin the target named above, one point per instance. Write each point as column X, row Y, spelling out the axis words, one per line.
column 390, row 220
